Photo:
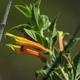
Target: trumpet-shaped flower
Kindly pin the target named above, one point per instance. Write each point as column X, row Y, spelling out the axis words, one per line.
column 27, row 42
column 26, row 51
column 61, row 36
column 61, row 47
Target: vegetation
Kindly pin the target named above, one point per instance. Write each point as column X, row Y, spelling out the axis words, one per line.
column 60, row 65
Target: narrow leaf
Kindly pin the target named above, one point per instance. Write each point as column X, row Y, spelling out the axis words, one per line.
column 55, row 76
column 45, row 22
column 53, row 23
column 40, row 73
column 31, row 33
column 76, row 59
column 19, row 27
column 78, row 70
column 36, row 36
column 25, row 10
column 72, row 44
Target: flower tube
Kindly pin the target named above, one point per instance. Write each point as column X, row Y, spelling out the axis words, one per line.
column 27, row 42
column 61, row 36
column 26, row 51
column 61, row 46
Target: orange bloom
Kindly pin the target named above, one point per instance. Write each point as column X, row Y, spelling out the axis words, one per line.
column 61, row 46
column 61, row 36
column 26, row 51
column 27, row 42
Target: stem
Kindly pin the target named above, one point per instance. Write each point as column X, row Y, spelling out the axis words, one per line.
column 58, row 58
column 66, row 58
column 2, row 25
column 63, row 73
column 72, row 36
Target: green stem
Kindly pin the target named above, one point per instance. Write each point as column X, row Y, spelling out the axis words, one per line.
column 63, row 73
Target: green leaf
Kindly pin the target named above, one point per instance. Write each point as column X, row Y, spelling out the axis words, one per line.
column 72, row 44
column 76, row 62
column 53, row 33
column 40, row 73
column 35, row 14
column 54, row 39
column 52, row 27
column 37, row 4
column 54, row 75
column 43, row 22
column 47, row 66
column 36, row 36
column 55, row 52
column 25, row 10
column 72, row 73
column 76, row 59
column 78, row 71
column 19, row 27
column 57, row 76
column 31, row 33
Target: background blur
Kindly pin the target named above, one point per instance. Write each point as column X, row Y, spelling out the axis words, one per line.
column 23, row 67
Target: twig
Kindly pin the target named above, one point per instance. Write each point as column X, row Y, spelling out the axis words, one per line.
column 72, row 36
column 53, row 66
column 59, row 56
column 75, row 32
column 2, row 25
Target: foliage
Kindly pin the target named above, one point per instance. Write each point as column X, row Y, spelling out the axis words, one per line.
column 67, row 68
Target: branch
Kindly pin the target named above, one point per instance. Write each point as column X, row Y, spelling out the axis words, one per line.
column 2, row 25
column 59, row 56
column 72, row 36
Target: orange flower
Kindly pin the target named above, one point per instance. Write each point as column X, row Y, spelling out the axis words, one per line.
column 61, row 47
column 26, row 51
column 27, row 42
column 61, row 36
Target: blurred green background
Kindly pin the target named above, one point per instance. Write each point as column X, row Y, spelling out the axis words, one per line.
column 23, row 67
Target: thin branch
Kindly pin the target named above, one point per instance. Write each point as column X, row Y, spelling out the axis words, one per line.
column 75, row 32
column 59, row 56
column 73, row 35
column 2, row 25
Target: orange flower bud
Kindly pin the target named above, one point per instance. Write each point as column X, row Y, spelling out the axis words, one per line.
column 26, row 51
column 61, row 36
column 61, row 47
column 27, row 42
